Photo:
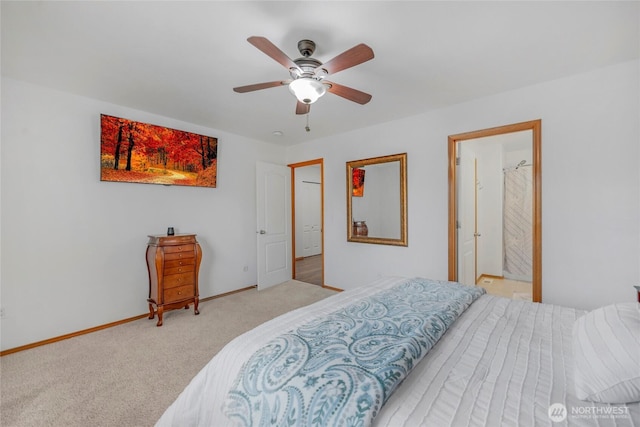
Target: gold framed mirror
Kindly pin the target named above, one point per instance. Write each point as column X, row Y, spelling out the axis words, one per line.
column 377, row 200
column 488, row 146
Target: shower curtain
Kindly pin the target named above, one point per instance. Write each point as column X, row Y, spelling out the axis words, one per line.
column 517, row 223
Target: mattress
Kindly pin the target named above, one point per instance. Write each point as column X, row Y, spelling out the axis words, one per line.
column 502, row 363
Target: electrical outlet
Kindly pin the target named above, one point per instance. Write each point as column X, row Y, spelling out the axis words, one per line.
column 1, row 312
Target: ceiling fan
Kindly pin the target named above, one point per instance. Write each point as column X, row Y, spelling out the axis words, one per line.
column 307, row 81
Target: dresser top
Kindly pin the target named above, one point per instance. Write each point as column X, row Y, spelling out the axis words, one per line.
column 177, row 239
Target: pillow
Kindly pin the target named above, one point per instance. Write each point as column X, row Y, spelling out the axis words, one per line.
column 606, row 348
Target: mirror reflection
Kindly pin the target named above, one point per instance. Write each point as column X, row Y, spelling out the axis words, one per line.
column 376, row 200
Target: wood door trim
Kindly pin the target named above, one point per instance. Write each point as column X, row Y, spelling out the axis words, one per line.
column 536, row 127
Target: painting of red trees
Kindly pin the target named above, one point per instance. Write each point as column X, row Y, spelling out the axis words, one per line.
column 358, row 183
column 138, row 152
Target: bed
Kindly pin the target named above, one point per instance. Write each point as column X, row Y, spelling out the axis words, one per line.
column 477, row 360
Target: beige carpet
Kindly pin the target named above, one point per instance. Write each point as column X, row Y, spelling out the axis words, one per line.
column 128, row 375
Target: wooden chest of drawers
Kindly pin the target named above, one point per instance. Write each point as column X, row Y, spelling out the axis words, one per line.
column 173, row 263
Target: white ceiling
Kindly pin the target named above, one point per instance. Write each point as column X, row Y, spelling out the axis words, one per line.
column 182, row 59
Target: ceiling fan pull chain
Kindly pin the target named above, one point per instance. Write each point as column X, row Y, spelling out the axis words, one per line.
column 307, row 128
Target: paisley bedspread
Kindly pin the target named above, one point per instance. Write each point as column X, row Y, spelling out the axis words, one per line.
column 340, row 369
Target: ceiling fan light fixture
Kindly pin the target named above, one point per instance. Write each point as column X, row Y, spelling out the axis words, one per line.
column 307, row 90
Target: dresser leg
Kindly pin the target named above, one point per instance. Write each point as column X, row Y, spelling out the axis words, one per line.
column 160, row 312
column 151, row 312
column 195, row 306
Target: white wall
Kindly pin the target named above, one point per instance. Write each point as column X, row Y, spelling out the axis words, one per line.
column 72, row 250
column 73, row 247
column 590, row 186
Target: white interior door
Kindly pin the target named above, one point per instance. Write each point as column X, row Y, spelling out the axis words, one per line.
column 273, row 192
column 311, row 218
column 466, row 218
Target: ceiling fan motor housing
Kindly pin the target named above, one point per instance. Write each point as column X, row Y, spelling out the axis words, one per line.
column 306, row 47
column 306, row 68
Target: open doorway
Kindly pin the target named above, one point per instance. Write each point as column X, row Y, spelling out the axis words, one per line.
column 495, row 210
column 494, row 213
column 307, row 216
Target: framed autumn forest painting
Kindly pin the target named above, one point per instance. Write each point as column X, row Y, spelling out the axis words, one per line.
column 143, row 153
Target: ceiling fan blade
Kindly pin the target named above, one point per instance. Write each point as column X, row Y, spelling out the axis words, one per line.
column 259, row 86
column 349, row 93
column 302, row 108
column 272, row 51
column 347, row 59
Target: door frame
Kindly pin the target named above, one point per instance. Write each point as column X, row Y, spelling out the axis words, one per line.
column 293, row 167
column 536, row 127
